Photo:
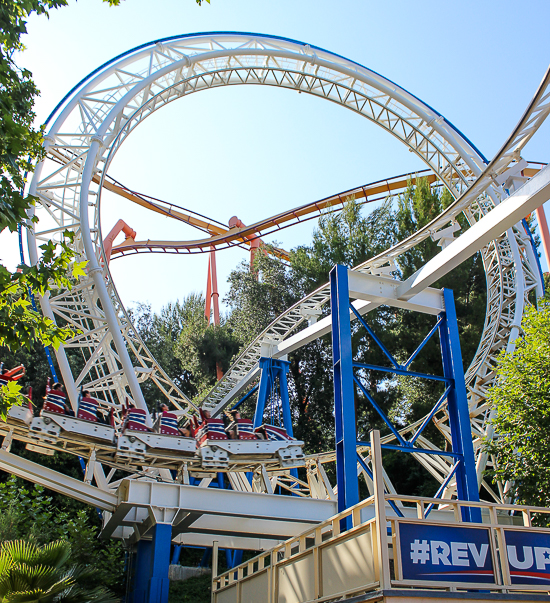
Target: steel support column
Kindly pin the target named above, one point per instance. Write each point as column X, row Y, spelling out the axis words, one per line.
column 153, row 559
column 344, row 390
column 273, row 371
column 457, row 404
column 344, row 402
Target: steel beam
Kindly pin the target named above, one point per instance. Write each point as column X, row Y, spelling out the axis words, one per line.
column 205, row 540
column 53, row 480
column 384, row 291
column 511, row 211
column 240, row 386
column 212, row 512
column 225, row 502
column 370, row 292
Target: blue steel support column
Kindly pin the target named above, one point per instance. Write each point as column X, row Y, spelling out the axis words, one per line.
column 263, row 391
column 160, row 561
column 457, row 404
column 176, row 554
column 344, row 402
column 153, row 559
column 271, row 371
column 141, row 572
column 283, row 367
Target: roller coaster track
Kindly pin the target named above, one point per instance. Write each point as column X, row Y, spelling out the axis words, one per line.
column 94, row 119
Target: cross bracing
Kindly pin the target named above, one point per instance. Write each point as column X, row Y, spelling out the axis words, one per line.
column 92, row 123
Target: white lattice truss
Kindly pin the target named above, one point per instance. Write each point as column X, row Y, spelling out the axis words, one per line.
column 98, row 115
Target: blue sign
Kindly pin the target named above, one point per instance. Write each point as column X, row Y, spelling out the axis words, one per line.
column 528, row 556
column 445, row 553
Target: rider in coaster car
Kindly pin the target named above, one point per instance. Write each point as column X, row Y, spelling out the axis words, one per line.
column 185, row 429
column 261, row 433
column 101, row 416
column 232, row 428
column 125, row 410
column 57, row 389
column 162, row 408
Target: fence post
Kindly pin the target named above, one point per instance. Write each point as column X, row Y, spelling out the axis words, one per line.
column 382, row 553
column 214, row 568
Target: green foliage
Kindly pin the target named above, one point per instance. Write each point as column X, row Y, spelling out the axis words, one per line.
column 202, row 347
column 10, row 395
column 32, row 573
column 192, row 590
column 20, row 143
column 256, row 297
column 30, row 515
column 347, row 238
column 20, row 325
column 37, row 371
column 20, row 147
column 521, row 412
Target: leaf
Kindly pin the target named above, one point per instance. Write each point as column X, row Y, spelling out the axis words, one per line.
column 78, row 269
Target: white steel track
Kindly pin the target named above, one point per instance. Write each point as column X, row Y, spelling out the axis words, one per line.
column 94, row 120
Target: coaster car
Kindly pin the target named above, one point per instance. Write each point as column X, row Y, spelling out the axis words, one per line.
column 54, row 422
column 217, row 450
column 136, row 439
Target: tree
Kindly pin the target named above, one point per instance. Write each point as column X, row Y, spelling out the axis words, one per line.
column 31, row 573
column 348, row 238
column 160, row 333
column 256, row 297
column 202, row 347
column 185, row 345
column 27, row 513
column 521, row 412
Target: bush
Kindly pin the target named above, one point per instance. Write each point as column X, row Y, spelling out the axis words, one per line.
column 192, row 590
column 28, row 514
column 31, row 573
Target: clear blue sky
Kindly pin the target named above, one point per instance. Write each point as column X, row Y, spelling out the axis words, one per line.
column 252, row 151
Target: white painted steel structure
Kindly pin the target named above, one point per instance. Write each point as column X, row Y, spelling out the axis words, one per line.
column 93, row 121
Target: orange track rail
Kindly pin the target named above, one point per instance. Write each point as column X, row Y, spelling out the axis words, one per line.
column 223, row 237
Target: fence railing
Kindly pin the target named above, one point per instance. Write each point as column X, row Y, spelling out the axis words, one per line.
column 391, row 541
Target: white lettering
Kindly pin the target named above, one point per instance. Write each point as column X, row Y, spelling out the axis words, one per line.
column 440, row 551
column 527, row 557
column 459, row 553
column 542, row 557
column 479, row 557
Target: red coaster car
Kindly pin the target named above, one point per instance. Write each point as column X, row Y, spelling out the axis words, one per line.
column 217, row 450
column 136, row 440
column 54, row 422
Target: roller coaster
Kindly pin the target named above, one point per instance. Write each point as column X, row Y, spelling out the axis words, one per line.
column 84, row 133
